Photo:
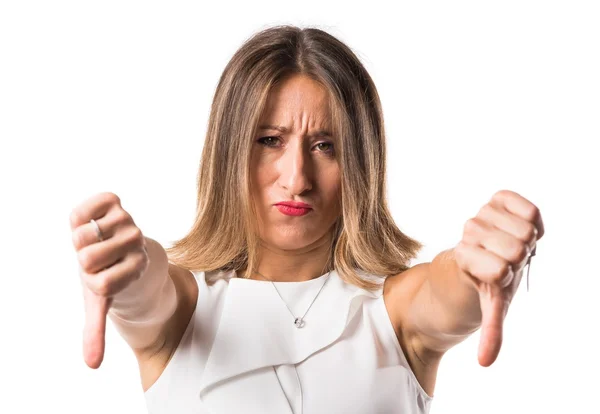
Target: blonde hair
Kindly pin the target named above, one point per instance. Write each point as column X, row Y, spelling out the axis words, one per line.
column 223, row 236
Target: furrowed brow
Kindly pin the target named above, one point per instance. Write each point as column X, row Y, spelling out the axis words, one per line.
column 282, row 129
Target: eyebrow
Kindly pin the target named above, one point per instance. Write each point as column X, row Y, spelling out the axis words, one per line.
column 282, row 129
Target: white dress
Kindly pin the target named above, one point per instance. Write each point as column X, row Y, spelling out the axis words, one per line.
column 242, row 353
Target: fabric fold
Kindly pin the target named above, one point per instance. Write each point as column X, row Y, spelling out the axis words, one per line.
column 256, row 319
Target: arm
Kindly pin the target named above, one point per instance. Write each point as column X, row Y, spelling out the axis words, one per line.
column 445, row 309
column 141, row 311
column 471, row 285
column 124, row 276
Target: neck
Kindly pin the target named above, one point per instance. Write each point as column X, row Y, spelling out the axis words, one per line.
column 292, row 265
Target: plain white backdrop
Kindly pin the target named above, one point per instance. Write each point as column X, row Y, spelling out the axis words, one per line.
column 477, row 97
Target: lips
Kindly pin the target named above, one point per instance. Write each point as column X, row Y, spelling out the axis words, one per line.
column 293, row 208
column 295, row 204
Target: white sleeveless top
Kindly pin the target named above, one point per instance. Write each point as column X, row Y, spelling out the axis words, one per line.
column 242, row 353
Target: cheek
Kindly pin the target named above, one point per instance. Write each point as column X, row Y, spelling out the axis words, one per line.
column 262, row 184
column 259, row 178
column 332, row 188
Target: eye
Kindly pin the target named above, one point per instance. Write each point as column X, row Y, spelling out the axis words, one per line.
column 326, row 147
column 269, row 141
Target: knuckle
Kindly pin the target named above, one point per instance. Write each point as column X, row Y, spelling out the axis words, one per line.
column 85, row 260
column 501, row 272
column 485, row 210
column 77, row 238
column 520, row 252
column 130, row 240
column 532, row 213
column 530, row 232
column 471, row 225
column 94, row 283
column 104, row 288
column 498, row 194
column 111, row 198
column 135, row 237
column 123, row 217
column 134, row 267
column 110, row 284
column 74, row 217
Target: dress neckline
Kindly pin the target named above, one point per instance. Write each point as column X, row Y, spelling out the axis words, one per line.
column 309, row 282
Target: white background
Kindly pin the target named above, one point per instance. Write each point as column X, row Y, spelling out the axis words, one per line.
column 477, row 96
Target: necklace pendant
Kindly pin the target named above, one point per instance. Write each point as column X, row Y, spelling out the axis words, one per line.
column 299, row 323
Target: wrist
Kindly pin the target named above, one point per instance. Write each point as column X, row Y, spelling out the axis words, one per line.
column 151, row 280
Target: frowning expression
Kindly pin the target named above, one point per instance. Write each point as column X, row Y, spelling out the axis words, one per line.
column 295, row 174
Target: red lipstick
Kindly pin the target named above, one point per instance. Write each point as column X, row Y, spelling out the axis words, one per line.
column 293, row 208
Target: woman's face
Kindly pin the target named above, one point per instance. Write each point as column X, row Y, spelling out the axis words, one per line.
column 295, row 175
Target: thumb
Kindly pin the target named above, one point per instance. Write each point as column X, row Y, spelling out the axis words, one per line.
column 493, row 309
column 96, row 308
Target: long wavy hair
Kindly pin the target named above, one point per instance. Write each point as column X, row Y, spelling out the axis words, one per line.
column 365, row 239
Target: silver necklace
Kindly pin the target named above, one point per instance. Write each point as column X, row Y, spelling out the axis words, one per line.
column 298, row 321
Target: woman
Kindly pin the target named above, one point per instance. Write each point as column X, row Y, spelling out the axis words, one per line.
column 292, row 291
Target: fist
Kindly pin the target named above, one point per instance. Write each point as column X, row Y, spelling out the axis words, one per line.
column 111, row 254
column 496, row 245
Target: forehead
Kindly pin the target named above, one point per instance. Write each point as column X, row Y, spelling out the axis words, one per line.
column 297, row 96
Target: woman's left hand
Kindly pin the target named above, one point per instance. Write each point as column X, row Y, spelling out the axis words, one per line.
column 495, row 247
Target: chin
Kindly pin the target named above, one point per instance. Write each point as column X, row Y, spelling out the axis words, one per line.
column 287, row 243
column 292, row 240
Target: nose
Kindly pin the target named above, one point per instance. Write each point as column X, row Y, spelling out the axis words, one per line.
column 295, row 170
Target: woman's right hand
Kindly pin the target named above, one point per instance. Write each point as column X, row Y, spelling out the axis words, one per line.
column 107, row 265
